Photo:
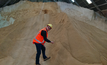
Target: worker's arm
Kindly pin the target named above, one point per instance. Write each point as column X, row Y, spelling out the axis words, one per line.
column 43, row 33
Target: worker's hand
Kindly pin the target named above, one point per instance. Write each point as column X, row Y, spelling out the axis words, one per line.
column 52, row 42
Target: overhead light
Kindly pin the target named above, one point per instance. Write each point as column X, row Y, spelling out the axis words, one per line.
column 89, row 1
column 73, row 0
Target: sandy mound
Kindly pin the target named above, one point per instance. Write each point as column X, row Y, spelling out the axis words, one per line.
column 76, row 42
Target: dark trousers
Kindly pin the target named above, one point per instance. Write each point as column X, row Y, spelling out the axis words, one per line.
column 40, row 47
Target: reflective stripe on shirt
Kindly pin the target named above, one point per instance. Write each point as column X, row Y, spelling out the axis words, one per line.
column 38, row 40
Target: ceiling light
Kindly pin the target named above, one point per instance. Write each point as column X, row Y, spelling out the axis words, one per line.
column 89, row 1
column 73, row 0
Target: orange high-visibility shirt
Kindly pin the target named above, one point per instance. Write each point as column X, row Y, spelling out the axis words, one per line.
column 39, row 38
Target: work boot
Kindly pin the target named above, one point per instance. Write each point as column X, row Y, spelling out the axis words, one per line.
column 47, row 58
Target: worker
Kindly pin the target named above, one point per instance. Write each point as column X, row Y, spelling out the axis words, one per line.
column 39, row 42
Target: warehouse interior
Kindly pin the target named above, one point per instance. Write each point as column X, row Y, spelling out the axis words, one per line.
column 79, row 31
column 99, row 6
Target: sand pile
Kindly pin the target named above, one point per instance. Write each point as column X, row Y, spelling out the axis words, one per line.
column 76, row 42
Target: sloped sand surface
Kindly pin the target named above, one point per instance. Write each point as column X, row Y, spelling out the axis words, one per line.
column 75, row 42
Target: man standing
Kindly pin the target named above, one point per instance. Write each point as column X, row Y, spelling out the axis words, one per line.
column 40, row 40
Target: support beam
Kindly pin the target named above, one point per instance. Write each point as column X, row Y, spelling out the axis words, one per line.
column 6, row 3
column 77, row 3
column 106, row 0
column 85, row 3
column 97, row 7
